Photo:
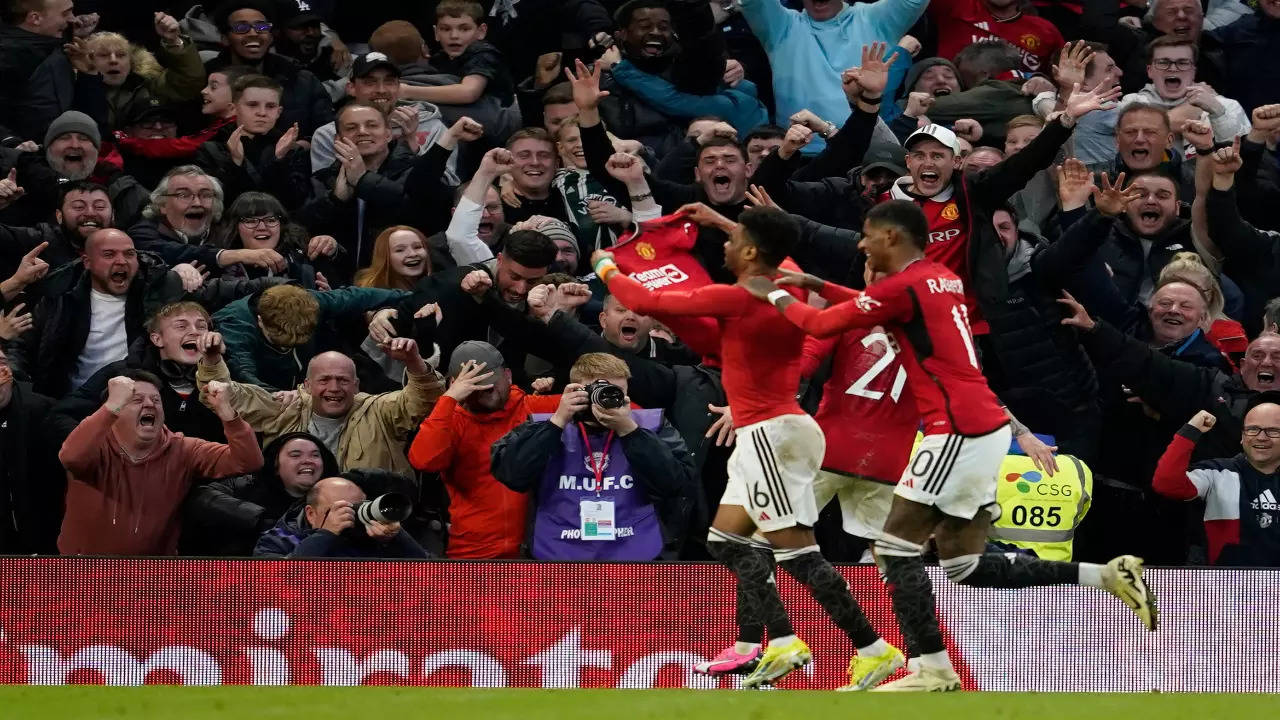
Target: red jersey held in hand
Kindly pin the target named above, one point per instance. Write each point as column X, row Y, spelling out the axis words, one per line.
column 964, row 22
column 923, row 307
column 659, row 256
column 868, row 412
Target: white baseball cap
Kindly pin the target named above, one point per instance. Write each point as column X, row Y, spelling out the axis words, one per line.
column 935, row 132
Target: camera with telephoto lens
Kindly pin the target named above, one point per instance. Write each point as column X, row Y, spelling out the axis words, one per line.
column 385, row 509
column 602, row 393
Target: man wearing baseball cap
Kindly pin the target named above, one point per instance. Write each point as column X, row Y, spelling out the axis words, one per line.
column 959, row 209
column 301, row 35
column 487, row 520
column 375, row 81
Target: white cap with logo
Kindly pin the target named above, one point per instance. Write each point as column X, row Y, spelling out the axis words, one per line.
column 935, row 132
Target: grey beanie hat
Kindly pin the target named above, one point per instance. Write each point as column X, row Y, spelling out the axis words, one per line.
column 73, row 121
column 918, row 69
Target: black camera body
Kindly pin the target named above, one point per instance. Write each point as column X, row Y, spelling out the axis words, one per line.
column 602, row 393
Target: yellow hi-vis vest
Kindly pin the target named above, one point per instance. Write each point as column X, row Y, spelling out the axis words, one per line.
column 1039, row 512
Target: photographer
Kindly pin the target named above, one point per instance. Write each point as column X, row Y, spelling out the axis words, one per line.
column 328, row 527
column 609, row 483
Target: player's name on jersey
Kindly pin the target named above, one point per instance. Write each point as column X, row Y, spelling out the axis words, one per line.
column 945, row 285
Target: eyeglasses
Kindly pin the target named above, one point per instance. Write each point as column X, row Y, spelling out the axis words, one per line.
column 1166, row 64
column 268, row 221
column 188, row 196
column 244, row 28
column 1255, row 431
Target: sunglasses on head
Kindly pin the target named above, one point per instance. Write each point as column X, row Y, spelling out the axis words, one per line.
column 244, row 28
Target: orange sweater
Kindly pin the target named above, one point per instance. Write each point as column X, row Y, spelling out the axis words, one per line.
column 116, row 506
column 486, row 520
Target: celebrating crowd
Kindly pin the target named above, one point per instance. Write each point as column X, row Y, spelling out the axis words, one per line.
column 266, row 261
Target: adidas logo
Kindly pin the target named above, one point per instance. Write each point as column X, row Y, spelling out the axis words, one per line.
column 1266, row 501
column 764, row 515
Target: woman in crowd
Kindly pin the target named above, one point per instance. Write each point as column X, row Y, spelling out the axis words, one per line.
column 257, row 221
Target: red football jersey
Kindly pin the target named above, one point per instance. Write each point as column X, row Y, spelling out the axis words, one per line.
column 964, row 22
column 948, row 240
column 923, row 306
column 868, row 412
column 659, row 256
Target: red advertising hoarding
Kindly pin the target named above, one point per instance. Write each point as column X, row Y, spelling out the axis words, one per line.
column 492, row 624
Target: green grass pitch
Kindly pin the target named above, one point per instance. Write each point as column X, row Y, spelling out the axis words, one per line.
column 293, row 703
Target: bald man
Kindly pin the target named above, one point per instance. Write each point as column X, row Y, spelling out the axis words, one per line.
column 327, row 527
column 361, row 429
column 91, row 312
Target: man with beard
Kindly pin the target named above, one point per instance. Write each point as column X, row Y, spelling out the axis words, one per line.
column 128, row 474
column 375, row 81
column 647, row 39
column 88, row 318
column 486, row 519
column 927, row 79
column 38, row 78
column 85, row 209
column 302, row 36
column 809, row 50
column 485, row 301
column 1240, row 516
column 176, row 224
column 168, row 350
column 361, row 430
column 71, row 146
column 327, row 528
column 246, row 34
column 31, row 486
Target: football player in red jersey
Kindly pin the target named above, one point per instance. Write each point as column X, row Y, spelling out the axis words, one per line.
column 867, row 404
column 778, row 449
column 949, row 489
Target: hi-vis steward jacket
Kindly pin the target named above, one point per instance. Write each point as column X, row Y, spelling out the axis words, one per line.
column 1038, row 512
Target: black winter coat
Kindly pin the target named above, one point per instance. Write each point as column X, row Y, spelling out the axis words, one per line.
column 32, row 483
column 40, row 84
column 225, row 517
column 1250, row 46
column 288, row 178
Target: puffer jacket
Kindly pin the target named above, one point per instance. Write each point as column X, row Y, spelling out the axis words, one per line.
column 376, row 429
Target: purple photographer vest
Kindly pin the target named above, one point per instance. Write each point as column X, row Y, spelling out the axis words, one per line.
column 570, row 479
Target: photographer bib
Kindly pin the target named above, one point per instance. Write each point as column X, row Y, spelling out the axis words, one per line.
column 590, row 506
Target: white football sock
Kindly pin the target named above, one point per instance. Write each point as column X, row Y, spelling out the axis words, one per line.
column 745, row 648
column 1090, row 575
column 879, row 647
column 937, row 661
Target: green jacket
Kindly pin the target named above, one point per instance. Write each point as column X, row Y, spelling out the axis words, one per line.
column 254, row 360
column 991, row 102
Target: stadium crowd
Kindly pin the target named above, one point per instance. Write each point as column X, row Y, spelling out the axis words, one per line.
column 265, row 260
